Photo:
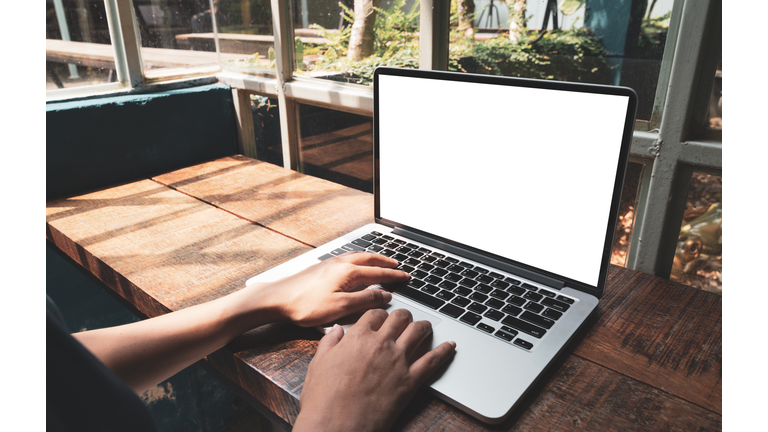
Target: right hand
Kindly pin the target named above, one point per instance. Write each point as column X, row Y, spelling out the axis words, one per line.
column 362, row 380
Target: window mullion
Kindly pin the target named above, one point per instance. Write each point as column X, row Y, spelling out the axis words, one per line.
column 125, row 42
column 433, row 34
column 670, row 179
column 283, row 30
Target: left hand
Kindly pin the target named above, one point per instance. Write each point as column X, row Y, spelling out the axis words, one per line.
column 334, row 288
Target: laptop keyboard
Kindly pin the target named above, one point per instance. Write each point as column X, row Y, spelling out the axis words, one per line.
column 474, row 295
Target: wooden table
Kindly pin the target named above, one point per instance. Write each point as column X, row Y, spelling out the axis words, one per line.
column 650, row 359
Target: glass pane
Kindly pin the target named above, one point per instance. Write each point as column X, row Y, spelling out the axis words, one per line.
column 335, row 41
column 698, row 258
column 336, row 146
column 78, row 45
column 266, row 128
column 246, row 38
column 610, row 43
column 622, row 238
column 177, row 35
column 715, row 106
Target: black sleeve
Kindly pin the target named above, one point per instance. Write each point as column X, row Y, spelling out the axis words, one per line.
column 81, row 393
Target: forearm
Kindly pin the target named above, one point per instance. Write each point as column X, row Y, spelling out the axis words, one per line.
column 145, row 353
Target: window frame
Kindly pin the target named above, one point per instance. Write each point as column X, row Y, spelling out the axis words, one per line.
column 670, row 144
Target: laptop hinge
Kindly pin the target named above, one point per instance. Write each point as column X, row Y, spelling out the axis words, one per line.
column 474, row 256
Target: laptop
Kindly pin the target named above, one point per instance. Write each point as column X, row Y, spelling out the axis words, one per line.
column 500, row 197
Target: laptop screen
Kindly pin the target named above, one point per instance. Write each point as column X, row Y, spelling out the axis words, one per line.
column 521, row 172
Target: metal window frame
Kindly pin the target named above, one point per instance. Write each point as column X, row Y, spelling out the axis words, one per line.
column 670, row 151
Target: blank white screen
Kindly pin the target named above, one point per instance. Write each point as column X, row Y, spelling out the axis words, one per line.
column 527, row 174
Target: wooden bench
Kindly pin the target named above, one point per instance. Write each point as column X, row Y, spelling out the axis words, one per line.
column 649, row 359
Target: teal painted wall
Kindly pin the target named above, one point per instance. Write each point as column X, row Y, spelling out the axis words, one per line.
column 96, row 143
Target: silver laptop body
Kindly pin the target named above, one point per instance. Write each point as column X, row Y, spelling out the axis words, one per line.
column 515, row 183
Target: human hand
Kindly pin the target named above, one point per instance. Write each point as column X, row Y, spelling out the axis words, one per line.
column 333, row 288
column 362, row 380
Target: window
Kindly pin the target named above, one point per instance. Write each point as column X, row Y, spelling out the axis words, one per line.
column 298, row 91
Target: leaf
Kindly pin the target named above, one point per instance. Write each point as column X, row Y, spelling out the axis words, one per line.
column 568, row 7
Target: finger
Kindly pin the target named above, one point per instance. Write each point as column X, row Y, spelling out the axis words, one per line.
column 363, row 300
column 360, row 277
column 413, row 335
column 330, row 340
column 372, row 320
column 368, row 259
column 397, row 322
column 425, row 366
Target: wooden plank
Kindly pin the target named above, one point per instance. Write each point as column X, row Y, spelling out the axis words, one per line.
column 102, row 55
column 662, row 333
column 167, row 249
column 308, row 209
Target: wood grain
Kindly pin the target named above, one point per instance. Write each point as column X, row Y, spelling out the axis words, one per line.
column 150, row 242
column 662, row 333
column 308, row 209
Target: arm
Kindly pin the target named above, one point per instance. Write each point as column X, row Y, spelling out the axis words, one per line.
column 149, row 351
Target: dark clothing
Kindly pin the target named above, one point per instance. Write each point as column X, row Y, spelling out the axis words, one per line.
column 81, row 393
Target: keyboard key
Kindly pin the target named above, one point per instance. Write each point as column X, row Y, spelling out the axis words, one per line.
column 447, row 285
column 445, row 295
column 494, row 314
column 524, row 327
column 484, row 279
column 481, row 270
column 416, row 254
column 463, row 291
column 451, row 260
column 380, row 241
column 461, row 301
column 512, row 310
column 546, row 293
column 535, row 307
column 338, row 251
column 478, row 297
column 565, row 299
column 483, row 288
column 405, row 250
column 496, row 275
column 424, row 250
column 499, row 294
column 398, row 241
column 553, row 314
column 469, row 273
column 376, row 233
column 455, row 268
column 452, row 310
column 516, row 290
column 353, row 247
column 325, row 257
column 477, row 307
column 426, row 267
column 437, row 255
column 515, row 300
column 504, row 335
column 468, row 282
column 470, row 318
column 486, row 328
column 442, row 263
column 433, row 279
column 415, row 283
column 375, row 248
column 362, row 243
column 537, row 319
column 495, row 303
column 499, row 284
column 554, row 304
column 529, row 287
column 412, row 262
column 431, row 289
column 439, row 272
column 387, row 252
column 406, row 268
column 419, row 274
column 428, row 258
column 513, row 281
column 466, row 264
column 530, row 295
column 419, row 296
column 453, row 277
column 400, row 257
column 522, row 343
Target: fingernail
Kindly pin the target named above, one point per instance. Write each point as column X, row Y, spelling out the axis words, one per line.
column 387, row 296
column 453, row 344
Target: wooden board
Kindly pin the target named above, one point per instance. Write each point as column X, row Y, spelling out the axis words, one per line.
column 663, row 333
column 168, row 249
column 308, row 209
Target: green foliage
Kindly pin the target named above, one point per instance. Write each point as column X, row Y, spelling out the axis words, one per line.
column 653, row 36
column 573, row 55
column 393, row 41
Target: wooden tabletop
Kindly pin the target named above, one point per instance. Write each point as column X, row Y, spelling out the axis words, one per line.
column 649, row 359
